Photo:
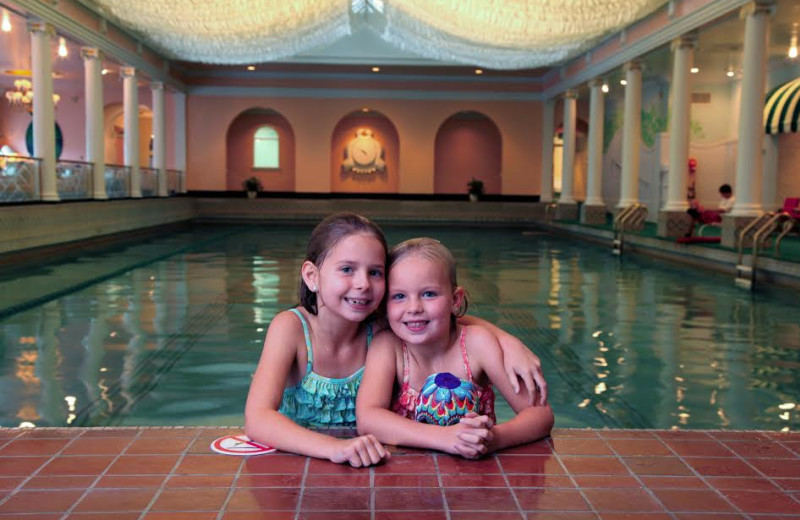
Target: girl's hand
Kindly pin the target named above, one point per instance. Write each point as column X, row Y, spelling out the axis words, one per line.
column 471, row 436
column 359, row 452
column 521, row 363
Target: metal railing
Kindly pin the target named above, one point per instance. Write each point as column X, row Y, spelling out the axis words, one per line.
column 174, row 182
column 757, row 233
column 74, row 180
column 628, row 219
column 149, row 181
column 19, row 178
column 118, row 181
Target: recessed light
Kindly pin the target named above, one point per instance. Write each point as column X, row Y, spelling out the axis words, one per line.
column 251, row 67
column 104, row 72
column 694, row 70
column 604, row 88
column 478, row 71
column 376, row 69
column 623, row 82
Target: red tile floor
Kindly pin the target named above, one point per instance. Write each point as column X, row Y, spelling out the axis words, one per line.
column 170, row 473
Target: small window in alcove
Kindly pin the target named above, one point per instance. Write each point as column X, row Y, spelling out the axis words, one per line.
column 265, row 148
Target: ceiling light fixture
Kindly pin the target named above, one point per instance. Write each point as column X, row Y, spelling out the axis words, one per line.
column 376, row 69
column 62, row 47
column 6, row 26
column 604, row 88
column 793, row 43
column 694, row 70
column 729, row 71
column 478, row 71
column 22, row 95
column 104, row 72
column 251, row 67
column 623, row 82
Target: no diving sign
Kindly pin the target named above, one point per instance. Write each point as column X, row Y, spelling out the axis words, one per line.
column 239, row 445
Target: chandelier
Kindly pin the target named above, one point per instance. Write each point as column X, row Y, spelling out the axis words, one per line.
column 22, row 95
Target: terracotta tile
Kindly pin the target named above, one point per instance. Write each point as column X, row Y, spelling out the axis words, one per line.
column 631, row 447
column 130, row 481
column 329, row 515
column 530, row 464
column 761, row 449
column 413, row 464
column 474, row 480
column 711, row 516
column 331, row 499
column 10, row 433
column 201, row 481
column 264, row 499
column 737, row 435
column 180, row 516
column 405, row 499
column 143, row 465
column 721, row 467
column 747, row 483
column 560, row 516
column 681, row 434
column 382, row 481
column 209, row 499
column 109, row 500
column 594, row 466
column 789, row 484
column 657, row 466
column 551, row 500
column 763, row 502
column 111, row 432
column 51, row 433
column 158, row 445
column 40, row 501
column 452, row 464
column 569, row 446
column 343, row 481
column 83, row 465
column 8, row 483
column 626, row 434
column 60, row 482
column 23, row 516
column 553, row 481
column 635, row 516
column 493, row 499
column 418, row 515
column 777, row 467
column 694, row 500
column 495, row 515
column 694, row 448
column 324, row 467
column 32, row 447
column 176, row 432
column 258, row 515
column 582, row 433
column 603, row 481
column 97, row 446
column 21, row 466
column 669, row 482
column 203, row 464
column 542, row 447
column 102, row 516
column 622, row 500
column 274, row 463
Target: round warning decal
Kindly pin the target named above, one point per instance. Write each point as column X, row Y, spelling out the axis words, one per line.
column 239, row 445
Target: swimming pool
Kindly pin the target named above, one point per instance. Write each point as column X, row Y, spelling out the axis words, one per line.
column 167, row 331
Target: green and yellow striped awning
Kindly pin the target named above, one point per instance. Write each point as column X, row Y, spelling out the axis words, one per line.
column 783, row 108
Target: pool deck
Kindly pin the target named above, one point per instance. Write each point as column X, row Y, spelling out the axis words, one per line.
column 171, row 473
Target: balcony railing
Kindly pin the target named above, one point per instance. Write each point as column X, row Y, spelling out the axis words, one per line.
column 21, row 180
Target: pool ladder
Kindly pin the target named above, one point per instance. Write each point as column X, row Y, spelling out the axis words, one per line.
column 758, row 232
column 631, row 217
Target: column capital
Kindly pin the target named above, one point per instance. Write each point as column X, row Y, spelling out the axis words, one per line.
column 686, row 41
column 127, row 72
column 633, row 65
column 596, row 83
column 157, row 85
column 91, row 53
column 757, row 7
column 39, row 26
column 571, row 94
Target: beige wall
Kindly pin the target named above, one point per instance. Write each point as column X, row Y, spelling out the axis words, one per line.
column 314, row 120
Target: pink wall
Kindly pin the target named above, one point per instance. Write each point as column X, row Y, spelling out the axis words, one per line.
column 314, row 120
column 468, row 145
column 385, row 133
column 240, row 151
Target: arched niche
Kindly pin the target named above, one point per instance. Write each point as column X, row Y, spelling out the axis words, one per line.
column 344, row 180
column 468, row 144
column 581, row 158
column 239, row 151
column 114, row 134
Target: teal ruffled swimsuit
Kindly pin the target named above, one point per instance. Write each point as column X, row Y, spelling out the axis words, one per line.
column 322, row 402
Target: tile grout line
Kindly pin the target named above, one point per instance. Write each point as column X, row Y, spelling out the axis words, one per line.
column 167, row 477
column 571, row 477
column 302, row 488
column 41, row 466
column 232, row 489
column 100, row 476
column 440, row 480
column 510, row 489
column 703, row 478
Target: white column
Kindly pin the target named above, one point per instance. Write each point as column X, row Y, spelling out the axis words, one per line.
column 159, row 137
column 596, row 114
column 548, row 129
column 629, row 191
column 130, row 106
column 180, row 136
column 749, row 163
column 44, row 118
column 677, row 177
column 95, row 147
column 568, row 161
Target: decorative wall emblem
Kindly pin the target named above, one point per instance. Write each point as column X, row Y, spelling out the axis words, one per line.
column 363, row 154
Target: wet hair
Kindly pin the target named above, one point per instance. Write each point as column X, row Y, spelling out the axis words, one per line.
column 332, row 230
column 726, row 189
column 432, row 250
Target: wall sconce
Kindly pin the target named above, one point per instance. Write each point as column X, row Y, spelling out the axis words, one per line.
column 604, row 88
column 62, row 47
column 793, row 43
column 6, row 25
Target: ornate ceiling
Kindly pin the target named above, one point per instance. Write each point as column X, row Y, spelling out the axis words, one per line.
column 501, row 34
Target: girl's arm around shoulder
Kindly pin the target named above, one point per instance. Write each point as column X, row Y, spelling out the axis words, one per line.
column 518, row 360
column 384, row 363
column 263, row 422
column 531, row 422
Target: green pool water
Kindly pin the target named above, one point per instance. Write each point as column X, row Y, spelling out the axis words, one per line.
column 167, row 331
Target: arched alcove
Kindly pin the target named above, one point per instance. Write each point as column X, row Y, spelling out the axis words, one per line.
column 468, row 144
column 114, row 135
column 379, row 134
column 239, row 150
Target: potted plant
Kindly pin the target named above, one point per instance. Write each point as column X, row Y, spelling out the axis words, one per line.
column 252, row 186
column 475, row 189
